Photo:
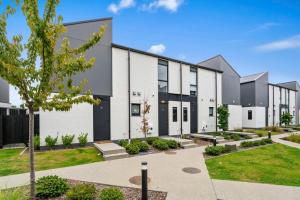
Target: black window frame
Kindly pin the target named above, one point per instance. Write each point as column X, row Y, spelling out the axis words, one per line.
column 194, row 70
column 164, row 63
column 174, row 114
column 211, row 111
column 185, row 114
column 135, row 114
column 250, row 115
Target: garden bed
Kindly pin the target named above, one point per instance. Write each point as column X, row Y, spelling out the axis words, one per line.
column 293, row 138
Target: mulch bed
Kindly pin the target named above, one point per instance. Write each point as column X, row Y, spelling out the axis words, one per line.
column 129, row 193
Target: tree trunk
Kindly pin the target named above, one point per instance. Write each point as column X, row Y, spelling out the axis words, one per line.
column 31, row 154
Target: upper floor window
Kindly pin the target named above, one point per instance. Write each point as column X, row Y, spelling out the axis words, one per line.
column 174, row 114
column 185, row 114
column 249, row 114
column 162, row 76
column 193, row 82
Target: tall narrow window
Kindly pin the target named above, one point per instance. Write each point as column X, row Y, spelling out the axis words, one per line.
column 162, row 76
column 211, row 111
column 193, row 81
column 249, row 114
column 185, row 114
column 174, row 114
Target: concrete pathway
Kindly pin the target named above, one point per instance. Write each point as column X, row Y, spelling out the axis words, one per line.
column 235, row 190
column 165, row 172
column 278, row 139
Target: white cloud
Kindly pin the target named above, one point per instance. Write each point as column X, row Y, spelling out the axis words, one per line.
column 115, row 8
column 265, row 26
column 157, row 49
column 288, row 43
column 170, row 5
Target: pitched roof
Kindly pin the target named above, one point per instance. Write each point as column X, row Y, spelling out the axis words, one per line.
column 252, row 77
column 217, row 62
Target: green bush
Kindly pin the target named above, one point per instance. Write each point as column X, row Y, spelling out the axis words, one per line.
column 265, row 141
column 238, row 130
column 132, row 148
column 67, row 140
column 14, row 194
column 111, row 194
column 172, row 144
column 82, row 192
column 143, row 146
column 123, row 143
column 235, row 137
column 36, row 142
column 160, row 144
column 246, row 144
column 82, row 138
column 214, row 150
column 135, row 140
column 150, row 140
column 51, row 186
column 50, row 141
column 229, row 148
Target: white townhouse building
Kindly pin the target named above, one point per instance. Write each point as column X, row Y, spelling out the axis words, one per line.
column 183, row 96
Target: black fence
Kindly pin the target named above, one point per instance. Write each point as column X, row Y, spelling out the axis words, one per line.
column 14, row 128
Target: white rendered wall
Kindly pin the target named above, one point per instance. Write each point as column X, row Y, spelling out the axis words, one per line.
column 76, row 121
column 119, row 99
column 276, row 106
column 292, row 105
column 207, row 98
column 258, row 117
column 186, row 79
column 174, row 77
column 270, row 108
column 235, row 119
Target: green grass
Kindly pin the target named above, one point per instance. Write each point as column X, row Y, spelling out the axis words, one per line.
column 293, row 138
column 12, row 163
column 273, row 164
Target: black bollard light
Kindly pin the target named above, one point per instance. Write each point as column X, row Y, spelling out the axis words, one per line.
column 215, row 141
column 269, row 134
column 144, row 181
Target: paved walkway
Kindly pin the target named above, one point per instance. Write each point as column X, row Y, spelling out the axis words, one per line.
column 165, row 172
column 235, row 190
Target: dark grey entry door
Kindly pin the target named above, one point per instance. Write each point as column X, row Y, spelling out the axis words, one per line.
column 102, row 119
column 194, row 116
column 163, row 119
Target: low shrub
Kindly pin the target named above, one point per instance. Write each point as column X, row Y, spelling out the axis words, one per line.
column 235, row 137
column 265, row 141
column 136, row 140
column 172, row 144
column 51, row 141
column 229, row 148
column 143, row 146
column 36, row 142
column 67, row 140
column 123, row 143
column 238, row 130
column 293, row 138
column 214, row 150
column 150, row 140
column 14, row 194
column 160, row 144
column 82, row 192
column 111, row 194
column 273, row 129
column 51, row 186
column 82, row 138
column 132, row 148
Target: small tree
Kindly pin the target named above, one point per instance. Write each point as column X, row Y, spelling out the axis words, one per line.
column 223, row 115
column 46, row 66
column 286, row 118
column 145, row 128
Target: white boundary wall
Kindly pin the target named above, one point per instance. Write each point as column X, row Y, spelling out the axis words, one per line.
column 235, row 119
column 258, row 117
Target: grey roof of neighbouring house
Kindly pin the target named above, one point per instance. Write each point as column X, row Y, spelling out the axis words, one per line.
column 294, row 85
column 218, row 62
column 252, row 77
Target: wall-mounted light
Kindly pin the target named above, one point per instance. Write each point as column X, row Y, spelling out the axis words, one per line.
column 139, row 94
column 134, row 93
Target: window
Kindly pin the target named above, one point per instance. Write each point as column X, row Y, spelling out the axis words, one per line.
column 185, row 114
column 249, row 114
column 193, row 82
column 162, row 76
column 211, row 111
column 135, row 109
column 174, row 114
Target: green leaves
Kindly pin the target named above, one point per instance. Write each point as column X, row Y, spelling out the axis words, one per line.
column 47, row 67
column 223, row 115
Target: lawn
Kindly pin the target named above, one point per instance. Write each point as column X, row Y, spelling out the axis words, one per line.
column 12, row 163
column 273, row 164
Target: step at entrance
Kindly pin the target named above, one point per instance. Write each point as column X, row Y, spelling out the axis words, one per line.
column 184, row 143
column 111, row 151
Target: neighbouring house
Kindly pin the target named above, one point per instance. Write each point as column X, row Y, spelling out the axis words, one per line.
column 230, row 89
column 183, row 96
column 264, row 103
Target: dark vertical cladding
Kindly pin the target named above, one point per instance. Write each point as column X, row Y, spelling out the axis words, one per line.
column 100, row 75
column 163, row 116
column 101, row 118
column 194, row 115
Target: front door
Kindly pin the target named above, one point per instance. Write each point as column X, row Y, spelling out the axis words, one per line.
column 194, row 116
column 102, row 119
column 163, row 118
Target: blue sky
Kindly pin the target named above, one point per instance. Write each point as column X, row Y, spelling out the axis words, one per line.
column 253, row 35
